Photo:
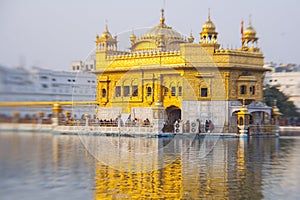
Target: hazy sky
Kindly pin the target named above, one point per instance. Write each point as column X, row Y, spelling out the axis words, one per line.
column 52, row 33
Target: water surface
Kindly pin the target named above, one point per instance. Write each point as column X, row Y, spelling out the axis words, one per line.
column 45, row 166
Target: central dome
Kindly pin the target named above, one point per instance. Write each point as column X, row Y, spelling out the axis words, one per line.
column 160, row 37
column 162, row 29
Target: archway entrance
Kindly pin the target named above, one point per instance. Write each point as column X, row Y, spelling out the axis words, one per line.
column 173, row 113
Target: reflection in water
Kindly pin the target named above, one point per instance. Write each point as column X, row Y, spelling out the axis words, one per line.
column 46, row 166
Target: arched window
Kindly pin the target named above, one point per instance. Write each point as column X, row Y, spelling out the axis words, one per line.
column 252, row 90
column 204, row 92
column 135, row 91
column 173, row 91
column 149, row 91
column 118, row 91
column 180, row 91
column 103, row 93
column 242, row 89
column 126, row 91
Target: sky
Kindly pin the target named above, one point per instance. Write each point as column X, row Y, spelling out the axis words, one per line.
column 53, row 33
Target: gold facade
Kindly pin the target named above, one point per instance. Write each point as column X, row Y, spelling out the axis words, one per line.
column 164, row 66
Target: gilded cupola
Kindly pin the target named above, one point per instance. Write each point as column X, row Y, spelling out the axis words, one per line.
column 249, row 39
column 209, row 35
column 161, row 37
column 250, row 32
column 106, row 42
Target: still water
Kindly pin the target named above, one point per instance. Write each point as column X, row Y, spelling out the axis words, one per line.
column 45, row 166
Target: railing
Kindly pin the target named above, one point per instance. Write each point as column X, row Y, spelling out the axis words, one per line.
column 108, row 128
column 262, row 129
column 25, row 120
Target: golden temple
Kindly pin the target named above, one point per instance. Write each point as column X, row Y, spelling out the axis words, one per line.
column 191, row 81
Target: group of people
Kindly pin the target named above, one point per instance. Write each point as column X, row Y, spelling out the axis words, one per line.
column 136, row 122
column 206, row 127
column 209, row 126
column 107, row 122
column 119, row 121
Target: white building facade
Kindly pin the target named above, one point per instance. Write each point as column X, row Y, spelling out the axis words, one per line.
column 44, row 85
column 287, row 82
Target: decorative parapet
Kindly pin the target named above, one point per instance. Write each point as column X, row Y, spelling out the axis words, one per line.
column 235, row 56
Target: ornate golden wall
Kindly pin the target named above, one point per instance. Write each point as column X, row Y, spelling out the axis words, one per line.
column 174, row 77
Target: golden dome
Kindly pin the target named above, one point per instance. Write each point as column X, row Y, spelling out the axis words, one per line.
column 162, row 29
column 191, row 38
column 159, row 37
column 168, row 32
column 209, row 26
column 250, row 31
column 132, row 37
column 106, row 34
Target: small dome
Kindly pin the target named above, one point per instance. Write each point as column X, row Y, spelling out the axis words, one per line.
column 250, row 31
column 209, row 25
column 191, row 38
column 106, row 34
column 132, row 36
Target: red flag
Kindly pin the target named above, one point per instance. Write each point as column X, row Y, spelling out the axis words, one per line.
column 242, row 27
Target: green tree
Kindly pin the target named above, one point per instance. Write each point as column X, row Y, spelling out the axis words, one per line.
column 286, row 107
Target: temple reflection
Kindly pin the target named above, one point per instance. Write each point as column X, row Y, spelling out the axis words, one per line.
column 202, row 168
column 149, row 168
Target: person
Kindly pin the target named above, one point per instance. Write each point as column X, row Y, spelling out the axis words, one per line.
column 187, row 126
column 206, row 126
column 199, row 126
column 146, row 122
column 211, row 126
column 135, row 122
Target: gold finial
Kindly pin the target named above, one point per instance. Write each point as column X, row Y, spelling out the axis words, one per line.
column 191, row 38
column 132, row 36
column 209, row 14
column 162, row 19
column 243, row 102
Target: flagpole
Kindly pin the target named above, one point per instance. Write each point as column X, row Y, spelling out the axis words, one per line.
column 242, row 30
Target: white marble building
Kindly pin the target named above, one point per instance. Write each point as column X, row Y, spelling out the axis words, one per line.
column 287, row 82
column 44, row 85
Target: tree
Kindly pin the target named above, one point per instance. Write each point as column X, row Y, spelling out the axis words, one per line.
column 286, row 107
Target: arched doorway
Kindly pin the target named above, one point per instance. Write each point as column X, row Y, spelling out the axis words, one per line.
column 173, row 113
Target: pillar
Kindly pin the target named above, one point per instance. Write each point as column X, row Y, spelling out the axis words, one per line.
column 16, row 117
column 86, row 119
column 158, row 117
column 41, row 115
column 56, row 114
column 243, row 121
column 276, row 114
